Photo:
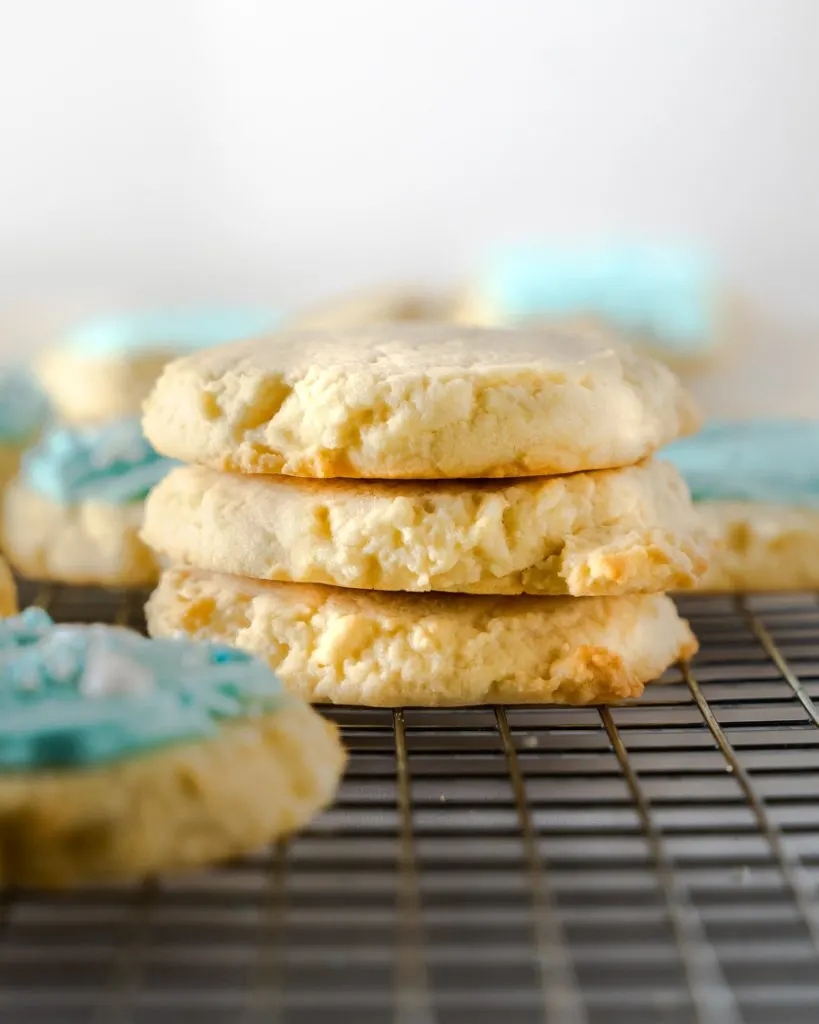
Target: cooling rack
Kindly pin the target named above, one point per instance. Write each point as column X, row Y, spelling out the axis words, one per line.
column 653, row 863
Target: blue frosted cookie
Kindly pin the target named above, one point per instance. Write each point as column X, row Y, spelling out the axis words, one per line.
column 659, row 298
column 74, row 512
column 123, row 756
column 756, row 485
column 104, row 368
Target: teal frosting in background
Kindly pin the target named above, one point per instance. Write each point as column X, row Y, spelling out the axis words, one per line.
column 180, row 330
column 23, row 407
column 665, row 293
column 83, row 695
column 110, row 462
column 751, row 460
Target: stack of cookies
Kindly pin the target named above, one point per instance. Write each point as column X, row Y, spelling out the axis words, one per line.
column 427, row 514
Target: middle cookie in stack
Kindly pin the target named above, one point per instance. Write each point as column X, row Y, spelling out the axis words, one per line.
column 325, row 577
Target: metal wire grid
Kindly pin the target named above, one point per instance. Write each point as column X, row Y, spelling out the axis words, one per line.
column 655, row 862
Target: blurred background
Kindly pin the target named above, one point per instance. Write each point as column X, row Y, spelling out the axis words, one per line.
column 185, row 151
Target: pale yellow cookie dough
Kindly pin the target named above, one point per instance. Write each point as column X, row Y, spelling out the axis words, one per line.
column 9, row 463
column 370, row 648
column 374, row 306
column 8, row 592
column 94, row 389
column 417, row 401
column 87, row 543
column 181, row 807
column 759, row 546
column 609, row 532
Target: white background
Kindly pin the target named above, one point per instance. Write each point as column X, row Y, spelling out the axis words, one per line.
column 190, row 150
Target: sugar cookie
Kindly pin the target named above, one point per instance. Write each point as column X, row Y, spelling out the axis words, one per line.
column 122, row 756
column 75, row 512
column 8, row 592
column 663, row 299
column 356, row 647
column 104, row 369
column 756, row 485
column 417, row 401
column 608, row 532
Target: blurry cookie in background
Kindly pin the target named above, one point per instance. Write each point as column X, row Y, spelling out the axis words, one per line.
column 375, row 306
column 74, row 512
column 103, row 369
column 8, row 592
column 756, row 485
column 664, row 300
column 23, row 412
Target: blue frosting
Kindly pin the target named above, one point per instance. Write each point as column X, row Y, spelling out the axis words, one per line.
column 751, row 460
column 110, row 462
column 82, row 695
column 667, row 294
column 23, row 407
column 180, row 330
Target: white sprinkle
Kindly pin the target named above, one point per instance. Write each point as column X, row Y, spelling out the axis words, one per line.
column 530, row 742
column 108, row 673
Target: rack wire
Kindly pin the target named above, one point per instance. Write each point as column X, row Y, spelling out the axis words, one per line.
column 651, row 863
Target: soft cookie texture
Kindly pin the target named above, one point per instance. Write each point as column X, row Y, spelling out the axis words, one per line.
column 760, row 546
column 125, row 757
column 417, row 401
column 386, row 650
column 602, row 533
column 8, row 592
column 90, row 542
column 182, row 807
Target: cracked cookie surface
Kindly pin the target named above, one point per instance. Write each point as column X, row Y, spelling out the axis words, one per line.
column 417, row 401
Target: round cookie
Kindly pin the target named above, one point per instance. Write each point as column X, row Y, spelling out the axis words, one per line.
column 387, row 650
column 8, row 592
column 756, row 485
column 416, row 401
column 608, row 532
column 123, row 757
column 104, row 369
column 374, row 306
column 75, row 511
column 662, row 299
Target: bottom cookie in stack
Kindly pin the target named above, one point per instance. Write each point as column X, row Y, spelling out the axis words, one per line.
column 379, row 649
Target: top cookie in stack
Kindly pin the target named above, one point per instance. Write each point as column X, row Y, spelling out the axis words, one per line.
column 472, row 461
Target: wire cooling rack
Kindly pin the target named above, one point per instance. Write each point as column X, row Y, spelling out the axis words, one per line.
column 654, row 863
